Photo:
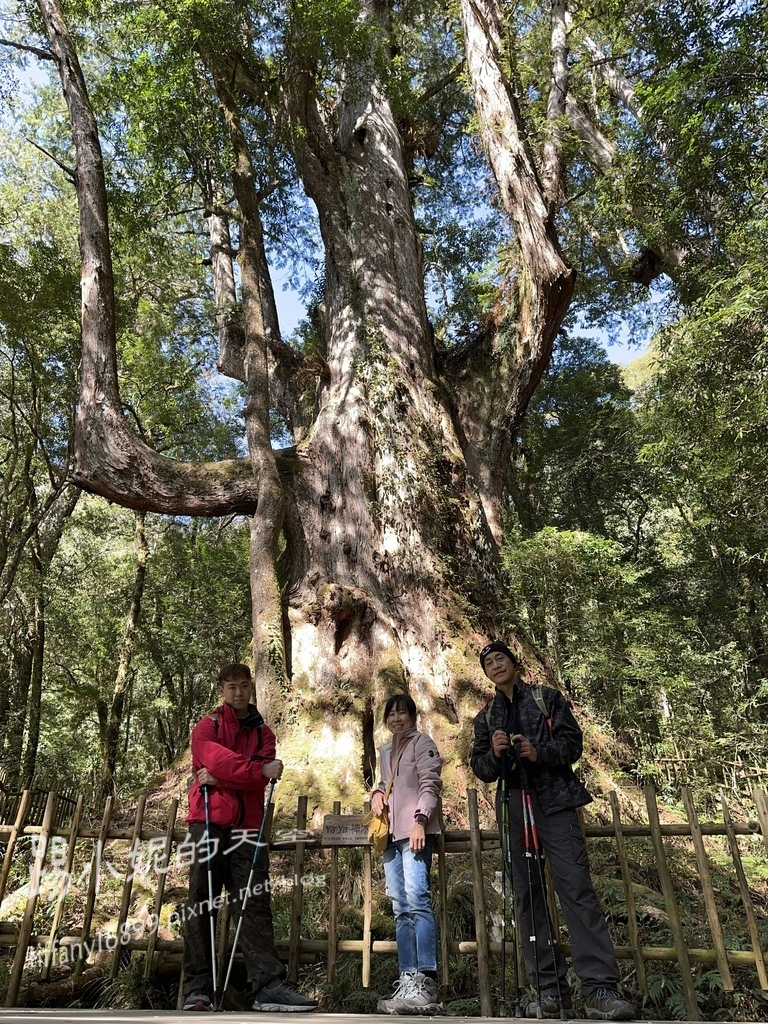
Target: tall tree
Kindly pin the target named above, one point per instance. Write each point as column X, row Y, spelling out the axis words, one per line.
column 111, row 712
column 390, row 505
column 38, row 342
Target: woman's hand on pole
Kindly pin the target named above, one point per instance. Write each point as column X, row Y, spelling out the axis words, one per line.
column 418, row 837
column 205, row 778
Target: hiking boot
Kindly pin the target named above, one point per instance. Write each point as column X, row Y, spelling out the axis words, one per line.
column 419, row 997
column 550, row 1006
column 278, row 997
column 607, row 1004
column 402, row 987
column 198, row 1002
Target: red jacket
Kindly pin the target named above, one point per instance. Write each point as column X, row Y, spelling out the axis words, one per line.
column 234, row 750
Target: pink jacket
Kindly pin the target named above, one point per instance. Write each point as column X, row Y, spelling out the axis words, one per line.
column 417, row 783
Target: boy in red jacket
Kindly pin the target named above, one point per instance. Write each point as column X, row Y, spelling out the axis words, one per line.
column 233, row 755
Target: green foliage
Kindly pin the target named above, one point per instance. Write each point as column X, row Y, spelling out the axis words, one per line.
column 576, row 462
column 195, row 615
column 635, row 556
column 173, row 400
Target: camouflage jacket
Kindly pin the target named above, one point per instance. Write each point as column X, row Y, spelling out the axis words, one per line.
column 551, row 775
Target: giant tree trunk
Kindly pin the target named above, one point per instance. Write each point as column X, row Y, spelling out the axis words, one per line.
column 389, row 551
column 390, row 504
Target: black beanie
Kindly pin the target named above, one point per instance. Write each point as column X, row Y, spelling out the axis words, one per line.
column 497, row 645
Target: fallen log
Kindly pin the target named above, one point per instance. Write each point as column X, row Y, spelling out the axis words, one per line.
column 59, row 992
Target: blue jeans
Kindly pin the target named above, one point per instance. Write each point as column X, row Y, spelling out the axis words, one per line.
column 407, row 875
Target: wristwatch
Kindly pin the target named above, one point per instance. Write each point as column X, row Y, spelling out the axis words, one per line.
column 421, row 819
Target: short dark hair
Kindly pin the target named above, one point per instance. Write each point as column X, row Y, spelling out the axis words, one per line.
column 400, row 702
column 228, row 673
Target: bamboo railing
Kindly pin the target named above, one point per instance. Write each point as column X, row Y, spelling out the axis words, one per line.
column 480, row 847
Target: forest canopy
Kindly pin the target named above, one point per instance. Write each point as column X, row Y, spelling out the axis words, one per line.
column 463, row 198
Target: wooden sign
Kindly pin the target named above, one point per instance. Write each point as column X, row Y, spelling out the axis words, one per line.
column 344, row 830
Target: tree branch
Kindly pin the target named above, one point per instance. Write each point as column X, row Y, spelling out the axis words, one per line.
column 438, row 86
column 622, row 88
column 601, row 153
column 109, row 459
column 69, row 171
column 539, row 283
column 552, row 162
column 26, row 48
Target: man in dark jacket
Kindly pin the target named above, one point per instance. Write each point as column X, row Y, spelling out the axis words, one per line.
column 526, row 741
column 233, row 755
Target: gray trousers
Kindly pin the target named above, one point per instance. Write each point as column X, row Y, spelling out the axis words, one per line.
column 563, row 844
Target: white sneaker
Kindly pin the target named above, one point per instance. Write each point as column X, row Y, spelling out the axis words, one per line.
column 419, row 997
column 402, row 987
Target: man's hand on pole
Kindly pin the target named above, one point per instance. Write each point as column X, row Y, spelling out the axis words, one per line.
column 272, row 769
column 500, row 742
column 527, row 749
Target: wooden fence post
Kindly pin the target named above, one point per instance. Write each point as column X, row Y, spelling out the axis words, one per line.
column 333, row 908
column 746, row 899
column 162, row 871
column 442, row 895
column 25, row 931
column 65, row 879
column 761, row 803
column 128, row 886
column 93, row 885
column 18, row 825
column 294, row 950
column 367, row 909
column 668, row 889
column 481, row 924
column 629, row 898
column 707, row 890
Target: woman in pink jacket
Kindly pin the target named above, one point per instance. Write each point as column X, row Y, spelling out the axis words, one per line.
column 414, row 765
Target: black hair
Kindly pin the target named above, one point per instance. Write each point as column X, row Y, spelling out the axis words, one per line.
column 230, row 673
column 401, row 702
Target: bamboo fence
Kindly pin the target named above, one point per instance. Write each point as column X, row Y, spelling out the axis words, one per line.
column 52, row 944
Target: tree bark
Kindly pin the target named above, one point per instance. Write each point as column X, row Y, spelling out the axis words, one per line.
column 36, row 641
column 381, row 511
column 260, row 327
column 492, row 405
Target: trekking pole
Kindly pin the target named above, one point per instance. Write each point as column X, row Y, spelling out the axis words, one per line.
column 220, row 1006
column 504, row 822
column 534, row 936
column 211, row 916
column 537, row 854
column 506, row 877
